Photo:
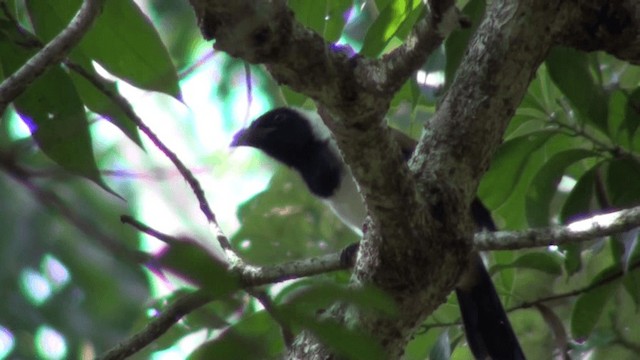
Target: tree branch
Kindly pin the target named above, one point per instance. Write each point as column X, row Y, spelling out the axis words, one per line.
column 405, row 218
column 262, row 275
column 609, row 26
column 586, row 229
column 51, row 54
column 186, row 174
column 158, row 326
column 395, row 68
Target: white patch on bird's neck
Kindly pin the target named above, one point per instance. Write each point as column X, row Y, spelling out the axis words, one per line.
column 346, row 201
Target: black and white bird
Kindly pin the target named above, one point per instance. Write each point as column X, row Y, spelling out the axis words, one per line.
column 300, row 140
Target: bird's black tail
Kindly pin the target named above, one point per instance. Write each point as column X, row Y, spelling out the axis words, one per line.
column 489, row 333
column 488, row 330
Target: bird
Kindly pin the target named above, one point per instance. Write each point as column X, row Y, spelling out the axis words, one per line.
column 300, row 140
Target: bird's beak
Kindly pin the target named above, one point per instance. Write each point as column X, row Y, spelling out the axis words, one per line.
column 240, row 138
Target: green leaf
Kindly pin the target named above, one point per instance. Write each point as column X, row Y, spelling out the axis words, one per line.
column 300, row 307
column 347, row 342
column 578, row 203
column 545, row 184
column 631, row 282
column 507, row 167
column 122, row 40
column 543, row 261
column 617, row 106
column 252, row 337
column 293, row 98
column 318, row 296
column 456, row 44
column 590, row 305
column 101, row 104
column 326, row 17
column 570, row 71
column 194, row 263
column 52, row 110
column 387, row 24
column 623, row 192
column 632, row 114
column 424, row 340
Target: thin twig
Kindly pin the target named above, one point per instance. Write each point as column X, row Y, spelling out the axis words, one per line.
column 158, row 326
column 265, row 300
column 253, row 277
column 615, row 150
column 193, row 67
column 528, row 304
column 187, row 175
column 126, row 219
column 50, row 54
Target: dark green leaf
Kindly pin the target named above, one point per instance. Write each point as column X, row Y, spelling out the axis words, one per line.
column 122, row 40
column 631, row 282
column 543, row 261
column 590, row 305
column 326, row 17
column 617, row 106
column 301, row 307
column 632, row 114
column 252, row 337
column 623, row 192
column 570, row 71
column 544, row 185
column 319, row 296
column 347, row 342
column 54, row 113
column 507, row 167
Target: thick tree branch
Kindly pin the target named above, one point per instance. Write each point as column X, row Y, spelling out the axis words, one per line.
column 586, row 229
column 51, row 54
column 611, row 26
